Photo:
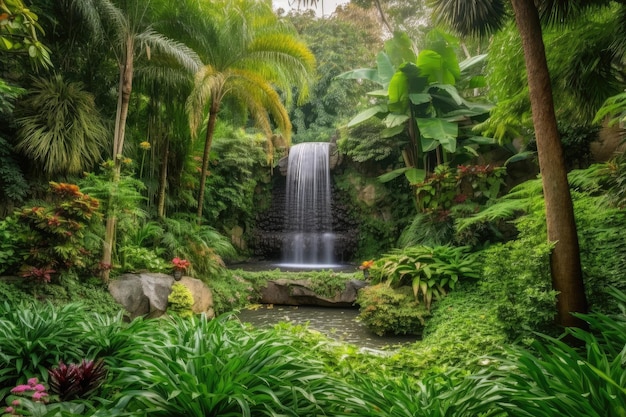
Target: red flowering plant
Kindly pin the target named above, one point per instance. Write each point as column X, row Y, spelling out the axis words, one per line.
column 180, row 264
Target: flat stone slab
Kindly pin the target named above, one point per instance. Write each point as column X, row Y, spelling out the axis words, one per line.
column 301, row 292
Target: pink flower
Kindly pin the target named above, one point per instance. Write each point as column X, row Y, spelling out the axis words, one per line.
column 39, row 395
column 39, row 388
column 21, row 388
column 9, row 410
column 33, row 381
column 15, row 402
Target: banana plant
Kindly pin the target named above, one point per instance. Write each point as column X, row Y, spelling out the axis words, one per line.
column 418, row 99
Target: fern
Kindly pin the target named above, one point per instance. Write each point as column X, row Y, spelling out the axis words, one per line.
column 524, row 198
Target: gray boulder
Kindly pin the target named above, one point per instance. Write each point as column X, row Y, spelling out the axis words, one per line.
column 146, row 294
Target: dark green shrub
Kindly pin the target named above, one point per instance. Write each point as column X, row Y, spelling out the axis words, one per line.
column 516, row 280
column 386, row 310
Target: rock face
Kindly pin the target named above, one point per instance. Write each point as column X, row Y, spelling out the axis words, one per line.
column 146, row 294
column 300, row 292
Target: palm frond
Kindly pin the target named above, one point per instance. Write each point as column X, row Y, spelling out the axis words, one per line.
column 60, row 127
column 478, row 17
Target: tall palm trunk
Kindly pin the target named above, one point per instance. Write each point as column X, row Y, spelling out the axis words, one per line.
column 565, row 259
column 125, row 89
column 215, row 106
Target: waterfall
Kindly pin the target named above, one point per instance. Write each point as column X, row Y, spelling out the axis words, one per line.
column 308, row 238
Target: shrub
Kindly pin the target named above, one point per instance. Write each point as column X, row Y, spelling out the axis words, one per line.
column 180, row 300
column 56, row 237
column 386, row 310
column 77, row 380
column 431, row 272
column 516, row 280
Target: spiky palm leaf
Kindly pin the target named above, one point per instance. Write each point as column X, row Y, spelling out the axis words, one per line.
column 61, row 128
column 479, row 17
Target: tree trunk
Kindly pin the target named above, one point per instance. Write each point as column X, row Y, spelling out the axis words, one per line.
column 565, row 260
column 163, row 180
column 125, row 89
column 215, row 105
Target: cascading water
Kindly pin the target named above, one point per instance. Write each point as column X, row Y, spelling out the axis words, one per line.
column 308, row 239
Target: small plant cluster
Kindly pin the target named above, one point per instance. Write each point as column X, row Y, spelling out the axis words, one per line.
column 468, row 185
column 53, row 237
column 67, row 382
column 386, row 310
column 80, row 380
column 180, row 264
column 180, row 300
column 430, row 271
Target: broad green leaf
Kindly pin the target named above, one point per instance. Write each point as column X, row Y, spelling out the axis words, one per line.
column 478, row 81
column 360, row 74
column 400, row 48
column 428, row 144
column 437, row 67
column 420, row 98
column 367, row 114
column 451, row 90
column 398, row 93
column 388, row 176
column 385, row 69
column 392, row 131
column 439, row 129
column 415, row 175
column 394, row 120
column 521, row 156
column 378, row 93
column 481, row 140
column 471, row 61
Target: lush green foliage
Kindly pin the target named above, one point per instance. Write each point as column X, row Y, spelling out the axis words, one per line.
column 431, row 272
column 216, row 368
column 391, row 311
column 55, row 236
column 201, row 367
column 60, row 128
column 180, row 300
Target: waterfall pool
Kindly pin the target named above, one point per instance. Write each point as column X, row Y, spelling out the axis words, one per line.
column 336, row 323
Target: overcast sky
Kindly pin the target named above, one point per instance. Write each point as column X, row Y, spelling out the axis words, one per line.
column 329, row 5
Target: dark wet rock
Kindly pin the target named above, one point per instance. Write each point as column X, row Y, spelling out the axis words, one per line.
column 301, row 292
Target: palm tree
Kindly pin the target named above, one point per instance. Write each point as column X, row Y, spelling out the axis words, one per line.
column 126, row 26
column 60, row 128
column 250, row 56
column 482, row 17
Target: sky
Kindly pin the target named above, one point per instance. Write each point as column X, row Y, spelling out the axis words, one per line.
column 329, row 5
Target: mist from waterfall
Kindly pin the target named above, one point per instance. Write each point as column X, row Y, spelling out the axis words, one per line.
column 308, row 234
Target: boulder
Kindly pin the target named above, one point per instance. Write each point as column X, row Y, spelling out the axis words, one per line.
column 202, row 296
column 146, row 294
column 300, row 292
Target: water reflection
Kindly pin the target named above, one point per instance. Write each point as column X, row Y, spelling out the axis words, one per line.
column 337, row 323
